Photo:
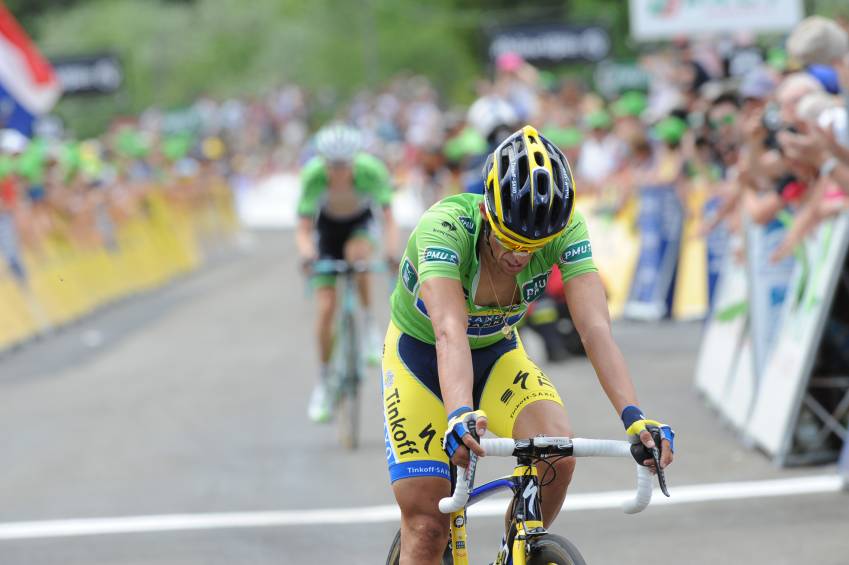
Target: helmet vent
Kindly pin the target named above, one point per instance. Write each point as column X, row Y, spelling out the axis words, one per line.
column 538, row 158
column 542, row 183
column 556, row 208
column 532, row 139
column 505, row 164
column 557, row 179
column 525, row 210
column 523, row 169
column 539, row 220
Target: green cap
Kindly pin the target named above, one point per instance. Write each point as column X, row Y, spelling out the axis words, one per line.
column 565, row 138
column 670, row 129
column 177, row 146
column 32, row 161
column 598, row 119
column 130, row 143
column 777, row 59
column 631, row 103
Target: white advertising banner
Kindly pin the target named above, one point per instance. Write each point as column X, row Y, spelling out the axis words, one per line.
column 658, row 19
column 788, row 369
column 724, row 333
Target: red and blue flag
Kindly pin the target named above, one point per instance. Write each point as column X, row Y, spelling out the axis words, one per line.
column 28, row 85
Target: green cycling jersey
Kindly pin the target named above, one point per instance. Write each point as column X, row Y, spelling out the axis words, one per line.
column 444, row 244
column 370, row 178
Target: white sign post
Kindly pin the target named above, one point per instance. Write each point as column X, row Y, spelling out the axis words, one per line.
column 660, row 19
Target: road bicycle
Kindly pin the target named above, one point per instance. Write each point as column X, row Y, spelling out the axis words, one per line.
column 347, row 363
column 527, row 541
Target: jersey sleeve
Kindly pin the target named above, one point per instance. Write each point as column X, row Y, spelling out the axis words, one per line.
column 372, row 178
column 441, row 242
column 313, row 186
column 574, row 250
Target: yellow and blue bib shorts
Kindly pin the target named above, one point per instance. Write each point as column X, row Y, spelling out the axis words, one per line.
column 414, row 418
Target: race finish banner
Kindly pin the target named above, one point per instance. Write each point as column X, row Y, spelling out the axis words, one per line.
column 659, row 19
column 660, row 222
column 89, row 74
column 551, row 43
column 800, row 413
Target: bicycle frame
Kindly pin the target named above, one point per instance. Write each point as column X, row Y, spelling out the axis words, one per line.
column 526, row 521
column 526, row 515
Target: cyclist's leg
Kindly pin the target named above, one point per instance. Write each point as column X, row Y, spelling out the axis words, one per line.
column 329, row 247
column 521, row 402
column 414, row 423
column 325, row 298
column 359, row 248
column 424, row 529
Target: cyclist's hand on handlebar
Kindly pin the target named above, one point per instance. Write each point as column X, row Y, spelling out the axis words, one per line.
column 639, row 430
column 465, row 427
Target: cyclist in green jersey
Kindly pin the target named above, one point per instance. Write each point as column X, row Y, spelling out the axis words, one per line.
column 339, row 187
column 453, row 363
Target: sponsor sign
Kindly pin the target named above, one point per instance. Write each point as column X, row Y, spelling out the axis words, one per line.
column 89, row 74
column 468, row 223
column 532, row 289
column 441, row 255
column 767, row 287
column 660, row 222
column 657, row 19
column 612, row 78
column 552, row 43
column 577, row 252
column 724, row 335
column 716, row 243
column 788, row 371
column 409, row 276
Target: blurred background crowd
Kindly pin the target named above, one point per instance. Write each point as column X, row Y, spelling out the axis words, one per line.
column 695, row 149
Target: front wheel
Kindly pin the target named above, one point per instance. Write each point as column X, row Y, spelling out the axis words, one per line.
column 554, row 549
column 394, row 557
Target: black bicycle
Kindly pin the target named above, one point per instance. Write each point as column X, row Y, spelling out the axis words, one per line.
column 527, row 541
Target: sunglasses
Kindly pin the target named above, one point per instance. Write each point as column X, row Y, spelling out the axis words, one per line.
column 515, row 248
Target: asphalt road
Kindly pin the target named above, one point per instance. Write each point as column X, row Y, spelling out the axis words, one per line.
column 191, row 401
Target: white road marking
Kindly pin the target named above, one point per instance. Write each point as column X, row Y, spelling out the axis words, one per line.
column 389, row 513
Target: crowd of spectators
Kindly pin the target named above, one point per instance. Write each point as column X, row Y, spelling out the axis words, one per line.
column 766, row 132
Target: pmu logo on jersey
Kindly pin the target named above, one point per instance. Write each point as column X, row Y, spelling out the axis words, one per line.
column 577, row 252
column 409, row 276
column 468, row 223
column 532, row 289
column 441, row 255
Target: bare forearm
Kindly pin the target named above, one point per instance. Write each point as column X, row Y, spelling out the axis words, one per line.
column 609, row 365
column 390, row 229
column 304, row 239
column 454, row 363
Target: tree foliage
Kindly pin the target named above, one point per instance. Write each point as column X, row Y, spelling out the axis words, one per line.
column 174, row 50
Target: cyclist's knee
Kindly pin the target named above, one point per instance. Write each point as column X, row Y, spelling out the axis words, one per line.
column 424, row 536
column 563, row 469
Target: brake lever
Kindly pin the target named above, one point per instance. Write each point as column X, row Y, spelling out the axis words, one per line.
column 640, row 453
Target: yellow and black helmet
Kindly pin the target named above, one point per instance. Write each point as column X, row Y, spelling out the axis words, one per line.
column 529, row 191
